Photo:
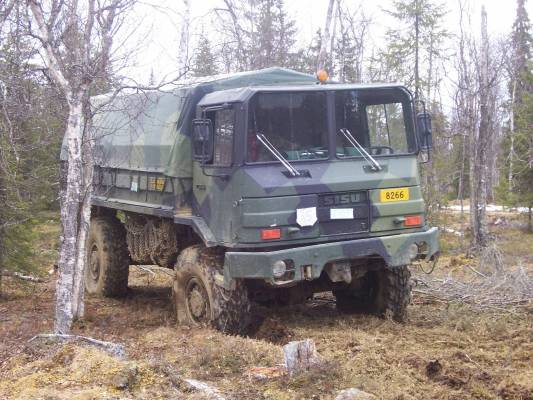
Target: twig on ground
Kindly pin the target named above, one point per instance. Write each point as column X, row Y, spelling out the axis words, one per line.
column 503, row 290
column 476, row 271
column 472, row 361
column 211, row 392
column 146, row 269
column 112, row 348
column 153, row 268
column 23, row 277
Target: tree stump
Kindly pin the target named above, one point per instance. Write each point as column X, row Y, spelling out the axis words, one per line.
column 301, row 356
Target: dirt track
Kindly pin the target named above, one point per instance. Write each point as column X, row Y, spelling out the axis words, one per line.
column 445, row 351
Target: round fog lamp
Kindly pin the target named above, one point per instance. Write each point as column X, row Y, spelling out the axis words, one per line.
column 413, row 251
column 279, row 268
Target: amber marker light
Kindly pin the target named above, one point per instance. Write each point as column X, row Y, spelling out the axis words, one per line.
column 322, row 75
column 413, row 220
column 270, row 234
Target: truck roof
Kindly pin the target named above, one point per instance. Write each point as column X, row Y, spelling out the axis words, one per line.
column 243, row 93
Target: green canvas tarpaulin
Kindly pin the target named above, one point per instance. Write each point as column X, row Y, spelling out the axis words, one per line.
column 151, row 131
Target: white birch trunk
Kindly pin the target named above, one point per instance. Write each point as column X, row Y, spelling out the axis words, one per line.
column 67, row 300
column 184, row 39
column 331, row 41
column 75, row 199
column 95, row 23
column 480, row 232
column 323, row 54
column 83, row 229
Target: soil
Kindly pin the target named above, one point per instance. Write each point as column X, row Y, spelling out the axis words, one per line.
column 445, row 350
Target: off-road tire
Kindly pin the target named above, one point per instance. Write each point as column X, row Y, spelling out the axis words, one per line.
column 107, row 268
column 386, row 292
column 196, row 274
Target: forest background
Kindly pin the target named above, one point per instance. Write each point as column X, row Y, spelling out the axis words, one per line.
column 478, row 87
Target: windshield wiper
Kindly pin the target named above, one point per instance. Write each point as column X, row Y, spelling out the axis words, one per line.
column 270, row 147
column 371, row 160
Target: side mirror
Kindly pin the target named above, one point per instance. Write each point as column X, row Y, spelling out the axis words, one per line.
column 202, row 140
column 424, row 130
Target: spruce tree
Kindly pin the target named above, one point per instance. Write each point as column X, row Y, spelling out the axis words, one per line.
column 515, row 188
column 275, row 33
column 523, row 187
column 204, row 63
column 416, row 43
column 257, row 34
column 521, row 42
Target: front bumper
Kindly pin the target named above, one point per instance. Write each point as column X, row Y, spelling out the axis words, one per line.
column 309, row 261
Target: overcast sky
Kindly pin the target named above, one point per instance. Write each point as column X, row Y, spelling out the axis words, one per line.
column 157, row 26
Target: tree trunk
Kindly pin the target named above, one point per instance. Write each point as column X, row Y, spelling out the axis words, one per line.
column 480, row 229
column 322, row 55
column 184, row 39
column 2, row 230
column 530, row 219
column 81, row 28
column 417, row 30
column 511, row 134
column 75, row 211
column 461, row 190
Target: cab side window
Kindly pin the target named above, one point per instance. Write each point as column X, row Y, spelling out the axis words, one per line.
column 224, row 125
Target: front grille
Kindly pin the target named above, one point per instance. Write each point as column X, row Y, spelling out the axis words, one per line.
column 356, row 201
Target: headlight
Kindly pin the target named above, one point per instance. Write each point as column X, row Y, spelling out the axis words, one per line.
column 279, row 268
column 413, row 251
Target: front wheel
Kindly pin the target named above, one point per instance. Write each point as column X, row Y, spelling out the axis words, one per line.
column 107, row 265
column 385, row 292
column 198, row 297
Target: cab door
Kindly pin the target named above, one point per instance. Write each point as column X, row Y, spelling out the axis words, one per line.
column 214, row 189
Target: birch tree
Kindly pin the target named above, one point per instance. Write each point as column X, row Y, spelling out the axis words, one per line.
column 478, row 195
column 183, row 55
column 350, row 43
column 76, row 40
column 478, row 107
column 326, row 37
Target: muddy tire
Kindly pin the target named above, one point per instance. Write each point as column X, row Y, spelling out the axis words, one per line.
column 198, row 297
column 384, row 292
column 106, row 271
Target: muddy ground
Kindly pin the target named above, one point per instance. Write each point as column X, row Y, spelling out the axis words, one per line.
column 447, row 349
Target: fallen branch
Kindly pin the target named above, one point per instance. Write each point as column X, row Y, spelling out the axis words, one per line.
column 23, row 277
column 143, row 268
column 153, row 268
column 205, row 388
column 476, row 271
column 115, row 349
column 502, row 290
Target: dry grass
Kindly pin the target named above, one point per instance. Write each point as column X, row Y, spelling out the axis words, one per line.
column 481, row 354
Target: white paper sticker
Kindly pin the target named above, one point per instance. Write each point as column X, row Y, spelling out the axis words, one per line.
column 306, row 216
column 341, row 213
column 134, row 186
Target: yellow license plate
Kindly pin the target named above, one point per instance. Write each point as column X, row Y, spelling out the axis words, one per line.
column 399, row 194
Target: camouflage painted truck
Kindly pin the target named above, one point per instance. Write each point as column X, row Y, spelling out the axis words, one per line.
column 265, row 187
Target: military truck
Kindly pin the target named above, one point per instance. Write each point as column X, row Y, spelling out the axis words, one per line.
column 265, row 186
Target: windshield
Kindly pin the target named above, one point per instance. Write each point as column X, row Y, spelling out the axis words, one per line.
column 377, row 120
column 294, row 123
